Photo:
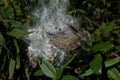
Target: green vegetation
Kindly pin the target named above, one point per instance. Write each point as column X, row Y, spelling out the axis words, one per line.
column 98, row 60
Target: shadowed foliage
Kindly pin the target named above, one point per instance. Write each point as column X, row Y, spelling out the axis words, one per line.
column 98, row 59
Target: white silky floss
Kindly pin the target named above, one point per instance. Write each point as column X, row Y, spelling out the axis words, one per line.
column 52, row 19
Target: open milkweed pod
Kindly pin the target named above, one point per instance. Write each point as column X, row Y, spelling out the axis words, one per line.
column 54, row 46
column 51, row 37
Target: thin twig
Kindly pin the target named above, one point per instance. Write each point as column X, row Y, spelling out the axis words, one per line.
column 91, row 22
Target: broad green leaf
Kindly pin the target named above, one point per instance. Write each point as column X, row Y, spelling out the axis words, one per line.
column 96, row 64
column 17, row 63
column 103, row 46
column 48, row 69
column 87, row 73
column 114, row 74
column 2, row 40
column 27, row 73
column 2, row 66
column 107, row 27
column 111, row 62
column 16, row 46
column 18, row 33
column 16, row 24
column 59, row 72
column 69, row 77
column 38, row 73
column 11, row 68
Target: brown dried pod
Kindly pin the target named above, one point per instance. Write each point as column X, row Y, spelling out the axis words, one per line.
column 63, row 41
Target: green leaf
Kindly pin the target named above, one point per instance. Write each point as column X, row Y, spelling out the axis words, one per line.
column 69, row 77
column 87, row 73
column 111, row 62
column 16, row 24
column 48, row 69
column 2, row 40
column 107, row 27
column 103, row 46
column 2, row 66
column 59, row 72
column 96, row 64
column 27, row 73
column 16, row 46
column 17, row 63
column 38, row 73
column 11, row 68
column 18, row 33
column 113, row 74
